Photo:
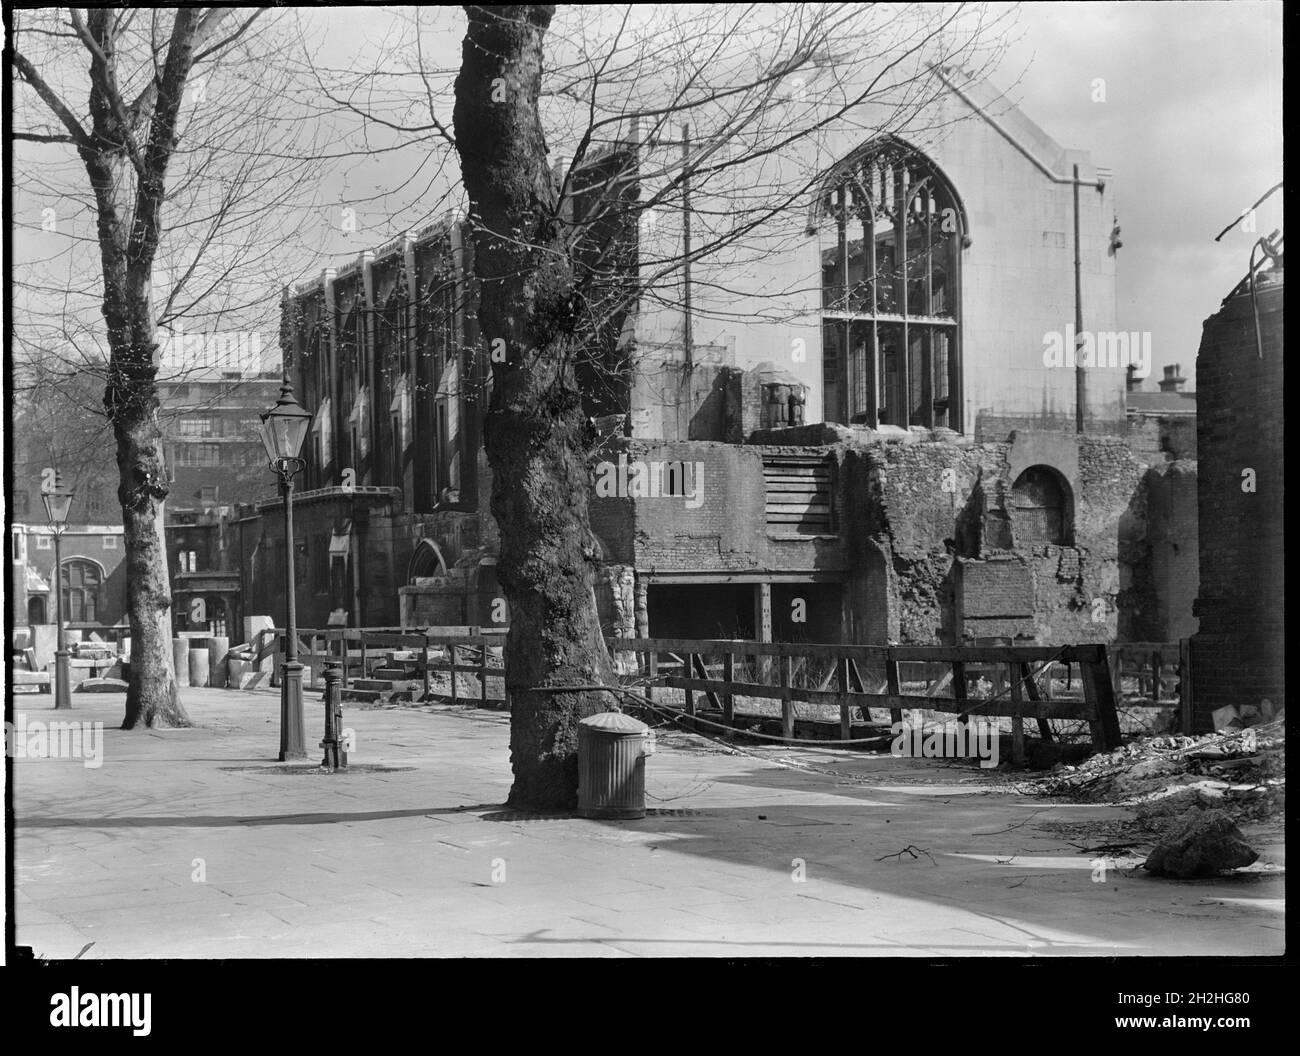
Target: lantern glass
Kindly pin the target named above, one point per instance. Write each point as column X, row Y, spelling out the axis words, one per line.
column 284, row 427
column 57, row 504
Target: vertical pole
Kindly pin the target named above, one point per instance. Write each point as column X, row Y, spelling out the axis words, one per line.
column 728, row 676
column 689, row 672
column 1031, row 688
column 62, row 671
column 688, row 334
column 842, row 684
column 333, row 712
column 1017, row 719
column 1185, row 684
column 763, row 628
column 291, row 720
column 786, row 663
column 904, row 354
column 1080, row 377
column 451, row 652
column 892, row 683
column 959, row 689
column 424, row 668
column 482, row 671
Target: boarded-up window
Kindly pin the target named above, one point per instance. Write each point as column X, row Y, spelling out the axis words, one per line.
column 798, row 495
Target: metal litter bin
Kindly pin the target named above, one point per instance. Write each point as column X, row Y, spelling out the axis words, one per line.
column 611, row 766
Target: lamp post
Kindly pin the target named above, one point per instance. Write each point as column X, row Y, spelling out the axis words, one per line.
column 57, row 503
column 283, row 429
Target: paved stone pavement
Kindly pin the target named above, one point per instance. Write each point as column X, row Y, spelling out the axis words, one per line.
column 189, row 843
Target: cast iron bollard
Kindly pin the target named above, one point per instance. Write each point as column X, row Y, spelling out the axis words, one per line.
column 335, row 757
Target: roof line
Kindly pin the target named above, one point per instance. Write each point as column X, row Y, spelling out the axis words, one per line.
column 1040, row 165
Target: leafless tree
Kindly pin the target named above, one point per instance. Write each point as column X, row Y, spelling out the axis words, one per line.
column 183, row 156
column 620, row 160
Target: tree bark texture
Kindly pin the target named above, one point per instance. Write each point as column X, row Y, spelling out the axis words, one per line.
column 535, row 434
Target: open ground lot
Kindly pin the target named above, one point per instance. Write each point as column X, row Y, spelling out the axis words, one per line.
column 194, row 843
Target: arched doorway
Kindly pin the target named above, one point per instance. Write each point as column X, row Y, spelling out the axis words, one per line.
column 35, row 610
column 426, row 561
column 1041, row 513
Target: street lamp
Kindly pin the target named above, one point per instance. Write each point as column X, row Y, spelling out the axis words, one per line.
column 284, row 428
column 57, row 503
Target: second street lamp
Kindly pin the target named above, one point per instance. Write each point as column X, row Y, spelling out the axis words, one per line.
column 284, row 428
column 57, row 503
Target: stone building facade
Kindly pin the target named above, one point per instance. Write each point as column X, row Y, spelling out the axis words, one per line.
column 887, row 450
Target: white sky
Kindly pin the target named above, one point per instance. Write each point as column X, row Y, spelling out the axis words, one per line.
column 1191, row 126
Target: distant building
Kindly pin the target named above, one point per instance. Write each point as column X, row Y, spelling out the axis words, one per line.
column 216, row 463
column 94, row 576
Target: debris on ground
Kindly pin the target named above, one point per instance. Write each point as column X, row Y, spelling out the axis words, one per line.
column 1240, row 771
column 1188, row 796
column 1199, row 844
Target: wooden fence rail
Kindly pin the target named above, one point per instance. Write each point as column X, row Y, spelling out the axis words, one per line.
column 658, row 660
column 892, row 678
column 375, row 647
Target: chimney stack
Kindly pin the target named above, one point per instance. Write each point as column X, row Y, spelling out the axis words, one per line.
column 1132, row 382
column 1173, row 381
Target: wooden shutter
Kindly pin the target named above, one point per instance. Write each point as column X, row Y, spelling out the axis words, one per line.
column 798, row 495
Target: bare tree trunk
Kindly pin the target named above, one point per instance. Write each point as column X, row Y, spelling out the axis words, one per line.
column 535, row 429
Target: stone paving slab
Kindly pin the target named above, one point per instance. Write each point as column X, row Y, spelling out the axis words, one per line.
column 190, row 843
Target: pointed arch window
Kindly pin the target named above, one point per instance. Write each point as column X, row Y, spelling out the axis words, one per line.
column 891, row 326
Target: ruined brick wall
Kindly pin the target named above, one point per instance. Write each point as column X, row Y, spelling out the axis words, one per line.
column 1158, row 556
column 1237, row 655
column 940, row 515
column 1156, row 438
column 996, row 598
column 724, row 530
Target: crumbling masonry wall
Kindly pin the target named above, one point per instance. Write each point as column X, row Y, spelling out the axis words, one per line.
column 942, row 517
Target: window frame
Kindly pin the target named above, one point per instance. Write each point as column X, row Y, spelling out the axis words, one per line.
column 860, row 340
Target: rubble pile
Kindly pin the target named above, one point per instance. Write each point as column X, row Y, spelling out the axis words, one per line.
column 1238, row 771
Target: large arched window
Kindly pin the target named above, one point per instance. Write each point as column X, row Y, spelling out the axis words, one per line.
column 891, row 334
column 1040, row 508
column 81, row 582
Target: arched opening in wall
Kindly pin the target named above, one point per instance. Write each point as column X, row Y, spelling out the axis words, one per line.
column 427, row 560
column 35, row 611
column 82, row 579
column 1041, row 511
column 891, row 320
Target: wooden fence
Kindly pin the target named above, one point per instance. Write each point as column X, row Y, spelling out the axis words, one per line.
column 874, row 676
column 1010, row 681
column 360, row 652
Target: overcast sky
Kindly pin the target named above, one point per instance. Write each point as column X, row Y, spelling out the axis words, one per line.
column 1191, row 126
